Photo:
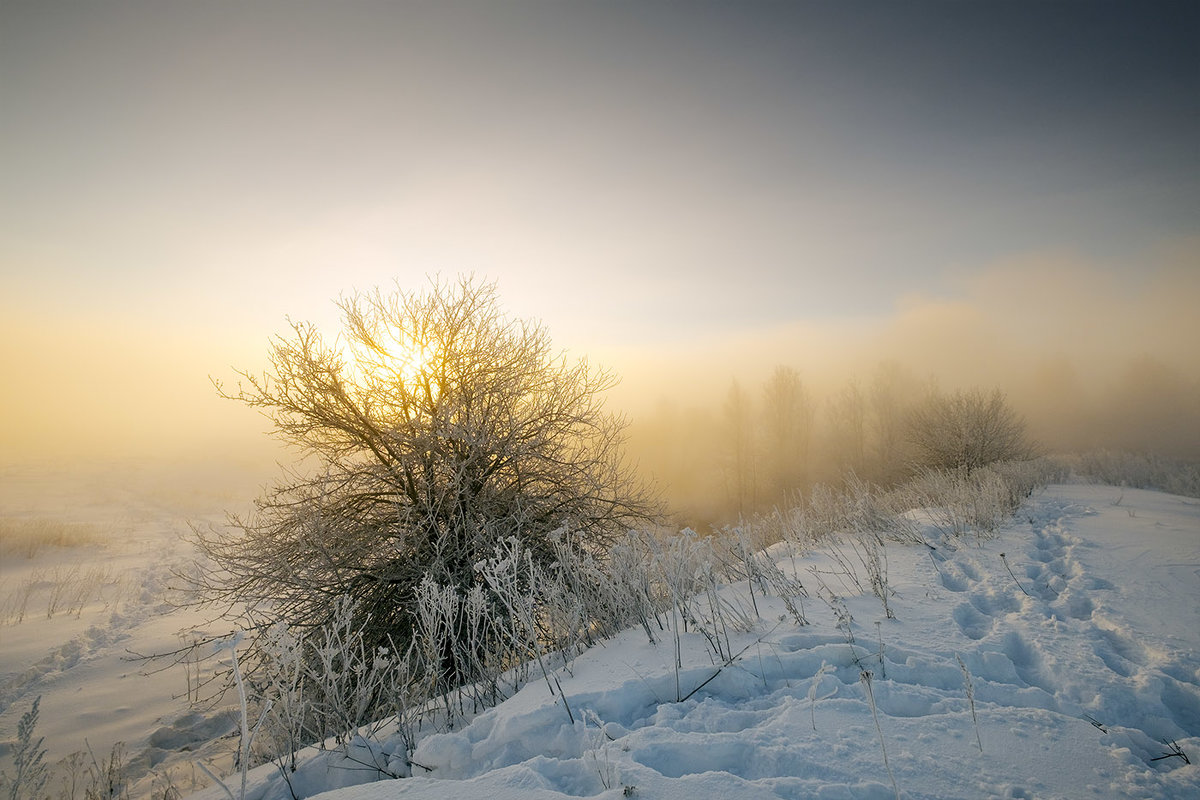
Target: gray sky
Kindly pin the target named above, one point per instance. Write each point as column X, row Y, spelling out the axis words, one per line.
column 645, row 177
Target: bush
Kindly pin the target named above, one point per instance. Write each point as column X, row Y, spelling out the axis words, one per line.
column 959, row 502
column 434, row 428
column 966, row 431
column 1137, row 471
column 29, row 771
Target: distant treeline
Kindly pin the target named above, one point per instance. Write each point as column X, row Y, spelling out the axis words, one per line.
column 766, row 444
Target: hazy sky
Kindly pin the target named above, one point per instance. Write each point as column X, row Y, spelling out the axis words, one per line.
column 661, row 183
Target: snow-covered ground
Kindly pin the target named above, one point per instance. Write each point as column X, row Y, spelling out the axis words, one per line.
column 1081, row 662
column 112, row 602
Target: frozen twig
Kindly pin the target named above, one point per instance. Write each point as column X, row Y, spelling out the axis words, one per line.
column 865, row 676
column 1173, row 752
column 970, row 687
column 1014, row 577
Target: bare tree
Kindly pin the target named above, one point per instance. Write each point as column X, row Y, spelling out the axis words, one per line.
column 787, row 427
column 741, row 457
column 966, row 430
column 848, row 427
column 433, row 427
column 892, row 393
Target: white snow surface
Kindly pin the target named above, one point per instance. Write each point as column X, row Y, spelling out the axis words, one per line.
column 81, row 661
column 1079, row 673
column 1084, row 663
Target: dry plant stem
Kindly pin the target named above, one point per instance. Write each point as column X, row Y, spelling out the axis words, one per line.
column 882, row 668
column 107, row 778
column 606, row 770
column 1173, row 752
column 865, row 676
column 30, row 773
column 970, row 687
column 731, row 659
column 1014, row 577
column 824, row 670
column 244, row 749
column 563, row 695
column 841, row 614
column 215, row 779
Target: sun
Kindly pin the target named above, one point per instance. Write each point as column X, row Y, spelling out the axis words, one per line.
column 412, row 361
column 399, row 365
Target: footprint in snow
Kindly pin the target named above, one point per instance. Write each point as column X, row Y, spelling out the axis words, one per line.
column 995, row 603
column 973, row 624
column 952, row 579
column 1079, row 606
column 970, row 570
column 1027, row 661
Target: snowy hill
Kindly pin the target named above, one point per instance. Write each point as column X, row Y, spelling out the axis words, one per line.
column 1060, row 659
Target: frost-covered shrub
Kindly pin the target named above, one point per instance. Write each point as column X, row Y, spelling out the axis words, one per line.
column 1025, row 477
column 858, row 506
column 960, row 502
column 783, row 524
column 347, row 675
column 966, row 431
column 875, row 511
column 29, row 771
column 825, row 513
column 635, row 594
column 432, row 427
column 1137, row 471
column 281, row 688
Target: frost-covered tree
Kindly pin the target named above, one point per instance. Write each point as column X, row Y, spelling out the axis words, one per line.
column 966, row 430
column 432, row 427
column 787, row 431
column 892, row 392
column 848, row 428
column 741, row 458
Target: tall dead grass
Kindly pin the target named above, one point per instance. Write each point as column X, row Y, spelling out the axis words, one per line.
column 25, row 538
column 62, row 590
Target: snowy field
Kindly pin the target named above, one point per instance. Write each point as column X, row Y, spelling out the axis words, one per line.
column 72, row 618
column 1079, row 669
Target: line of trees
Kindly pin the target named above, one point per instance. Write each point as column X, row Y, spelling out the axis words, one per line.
column 764, row 449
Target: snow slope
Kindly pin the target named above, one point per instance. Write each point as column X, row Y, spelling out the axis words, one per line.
column 1081, row 662
column 1078, row 673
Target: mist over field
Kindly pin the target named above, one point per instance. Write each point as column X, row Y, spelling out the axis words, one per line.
column 1092, row 361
